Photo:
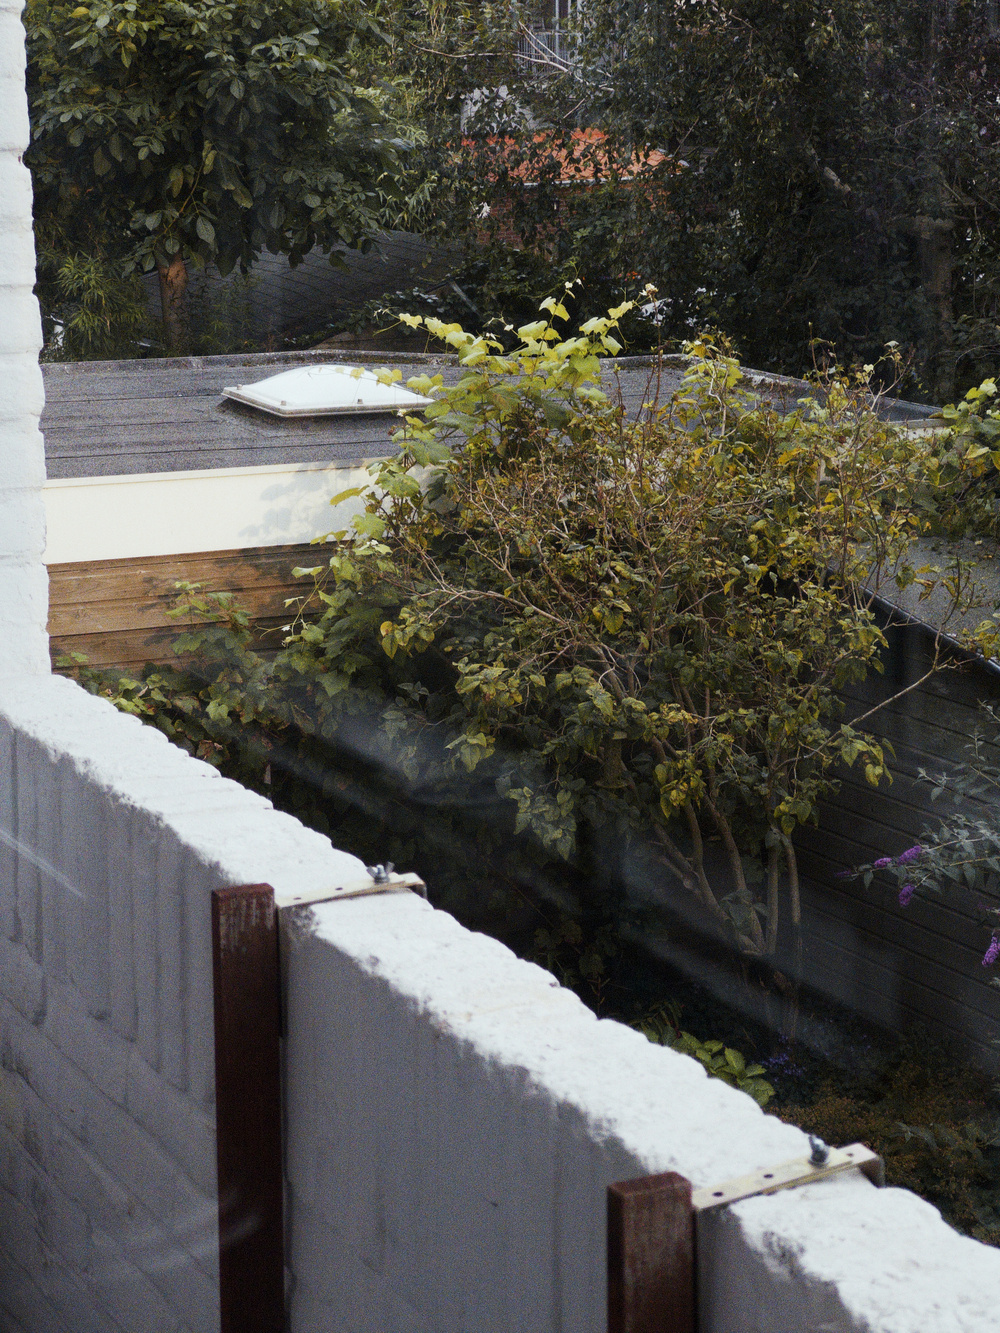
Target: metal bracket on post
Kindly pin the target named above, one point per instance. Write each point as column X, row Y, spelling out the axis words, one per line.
column 247, row 995
column 652, row 1233
column 822, row 1163
column 378, row 879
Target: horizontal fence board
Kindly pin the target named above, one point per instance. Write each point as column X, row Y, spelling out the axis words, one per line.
column 904, row 797
column 912, row 993
column 936, row 708
column 947, row 962
column 100, row 580
column 955, row 911
column 836, row 849
column 883, row 831
column 116, row 612
column 918, row 744
column 107, row 617
column 890, row 1011
column 133, row 649
column 878, row 909
column 963, row 680
column 953, row 1013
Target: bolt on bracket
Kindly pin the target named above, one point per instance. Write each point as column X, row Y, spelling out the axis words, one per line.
column 378, row 879
column 823, row 1162
column 653, row 1234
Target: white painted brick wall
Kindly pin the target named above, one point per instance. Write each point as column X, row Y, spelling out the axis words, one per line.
column 23, row 642
column 454, row 1117
column 111, row 841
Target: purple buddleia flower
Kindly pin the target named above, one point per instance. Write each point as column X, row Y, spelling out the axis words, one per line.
column 882, row 862
column 905, row 894
column 992, row 953
column 909, row 855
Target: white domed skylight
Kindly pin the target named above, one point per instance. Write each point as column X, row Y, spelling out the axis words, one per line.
column 322, row 391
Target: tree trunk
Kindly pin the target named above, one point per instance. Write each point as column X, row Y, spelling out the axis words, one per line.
column 934, row 233
column 936, row 263
column 173, row 276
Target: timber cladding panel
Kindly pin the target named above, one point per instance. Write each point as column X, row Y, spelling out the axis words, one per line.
column 115, row 611
column 923, row 962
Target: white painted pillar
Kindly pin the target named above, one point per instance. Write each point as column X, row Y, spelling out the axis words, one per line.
column 23, row 579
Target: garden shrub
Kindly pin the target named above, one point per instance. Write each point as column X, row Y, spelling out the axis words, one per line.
column 934, row 1122
column 640, row 626
column 562, row 630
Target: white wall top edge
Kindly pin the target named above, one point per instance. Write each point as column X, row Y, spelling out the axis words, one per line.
column 235, row 833
column 178, row 513
column 837, row 1255
column 195, row 474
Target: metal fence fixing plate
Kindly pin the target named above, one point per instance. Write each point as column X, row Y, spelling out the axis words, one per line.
column 799, row 1171
column 359, row 888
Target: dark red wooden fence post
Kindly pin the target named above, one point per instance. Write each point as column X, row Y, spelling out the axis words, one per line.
column 248, row 1109
column 651, row 1279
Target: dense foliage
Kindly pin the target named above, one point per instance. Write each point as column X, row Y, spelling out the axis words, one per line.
column 651, row 621
column 780, row 171
column 625, row 632
column 165, row 134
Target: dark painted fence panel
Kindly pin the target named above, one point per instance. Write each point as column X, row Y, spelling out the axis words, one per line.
column 900, row 964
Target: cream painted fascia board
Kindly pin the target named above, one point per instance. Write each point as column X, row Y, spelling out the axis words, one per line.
column 176, row 513
column 196, row 474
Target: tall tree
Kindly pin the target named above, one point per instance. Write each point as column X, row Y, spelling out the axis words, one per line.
column 170, row 133
column 841, row 168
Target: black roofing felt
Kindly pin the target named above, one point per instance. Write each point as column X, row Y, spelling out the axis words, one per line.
column 111, row 418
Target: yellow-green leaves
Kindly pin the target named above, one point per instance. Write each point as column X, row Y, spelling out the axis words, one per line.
column 555, row 308
column 538, row 329
column 369, row 525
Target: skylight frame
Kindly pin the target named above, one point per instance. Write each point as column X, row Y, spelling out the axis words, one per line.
column 395, row 398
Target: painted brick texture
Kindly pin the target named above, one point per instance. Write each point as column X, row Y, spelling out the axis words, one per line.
column 454, row 1117
column 111, row 841
column 23, row 643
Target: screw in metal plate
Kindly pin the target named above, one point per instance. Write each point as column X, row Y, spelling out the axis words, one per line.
column 381, row 874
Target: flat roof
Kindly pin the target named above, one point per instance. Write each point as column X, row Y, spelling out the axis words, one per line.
column 114, row 418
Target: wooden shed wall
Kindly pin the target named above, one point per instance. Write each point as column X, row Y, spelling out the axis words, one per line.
column 116, row 611
column 922, row 962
